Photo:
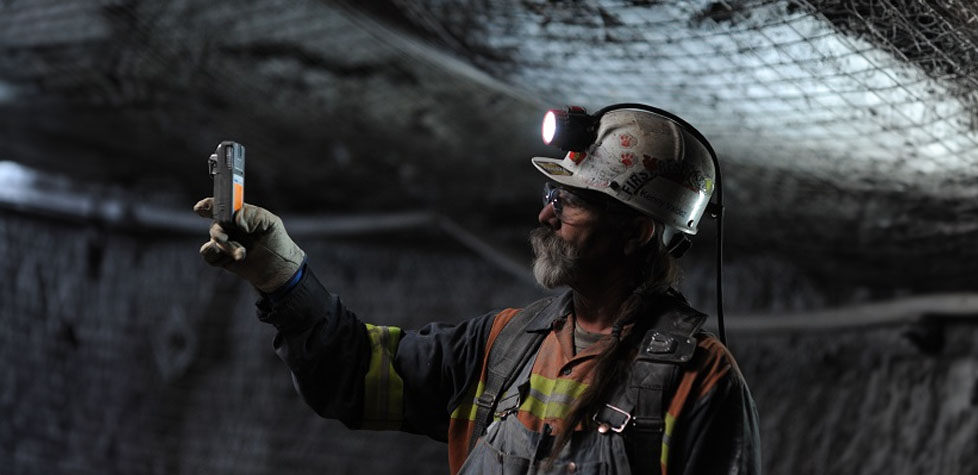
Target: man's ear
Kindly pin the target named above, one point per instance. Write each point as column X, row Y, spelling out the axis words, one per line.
column 641, row 231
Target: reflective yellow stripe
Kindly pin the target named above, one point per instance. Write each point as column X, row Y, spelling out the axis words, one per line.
column 666, row 436
column 551, row 398
column 383, row 395
column 547, row 398
column 467, row 408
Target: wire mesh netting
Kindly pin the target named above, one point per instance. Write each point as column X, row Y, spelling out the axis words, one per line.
column 844, row 127
column 869, row 81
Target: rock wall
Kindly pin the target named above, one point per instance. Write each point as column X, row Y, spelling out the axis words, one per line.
column 124, row 353
column 900, row 399
column 127, row 354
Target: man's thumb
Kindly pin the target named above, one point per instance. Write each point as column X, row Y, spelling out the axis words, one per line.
column 204, row 208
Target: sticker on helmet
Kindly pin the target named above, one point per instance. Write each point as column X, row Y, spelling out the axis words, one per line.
column 636, row 182
column 663, row 203
column 628, row 159
column 554, row 169
column 679, row 172
column 708, row 185
column 577, row 157
column 627, row 141
column 650, row 163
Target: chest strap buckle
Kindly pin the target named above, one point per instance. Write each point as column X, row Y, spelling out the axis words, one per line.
column 509, row 404
column 611, row 418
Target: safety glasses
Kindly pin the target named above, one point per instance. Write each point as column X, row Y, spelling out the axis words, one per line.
column 569, row 207
column 572, row 205
column 562, row 198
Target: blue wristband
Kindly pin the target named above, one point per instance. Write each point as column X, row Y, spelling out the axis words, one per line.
column 287, row 287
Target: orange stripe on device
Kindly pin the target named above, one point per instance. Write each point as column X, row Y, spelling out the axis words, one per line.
column 238, row 196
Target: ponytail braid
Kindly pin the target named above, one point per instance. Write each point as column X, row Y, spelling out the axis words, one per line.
column 658, row 272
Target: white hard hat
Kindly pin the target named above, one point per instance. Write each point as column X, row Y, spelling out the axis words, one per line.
column 647, row 161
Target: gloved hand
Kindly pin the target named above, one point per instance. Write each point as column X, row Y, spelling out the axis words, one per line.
column 258, row 249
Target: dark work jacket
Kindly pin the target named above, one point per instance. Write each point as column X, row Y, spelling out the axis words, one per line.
column 416, row 381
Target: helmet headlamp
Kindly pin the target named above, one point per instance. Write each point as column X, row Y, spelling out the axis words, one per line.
column 571, row 130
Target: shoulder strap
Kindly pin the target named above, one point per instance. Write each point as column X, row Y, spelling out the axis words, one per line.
column 510, row 351
column 672, row 338
column 666, row 347
column 668, row 344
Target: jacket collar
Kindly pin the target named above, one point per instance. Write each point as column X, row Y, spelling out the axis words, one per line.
column 559, row 308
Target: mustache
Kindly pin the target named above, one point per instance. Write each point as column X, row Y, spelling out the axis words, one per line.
column 554, row 260
column 546, row 243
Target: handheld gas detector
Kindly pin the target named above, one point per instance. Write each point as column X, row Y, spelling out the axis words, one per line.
column 227, row 167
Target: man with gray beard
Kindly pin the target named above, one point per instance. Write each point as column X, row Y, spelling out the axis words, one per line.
column 614, row 376
column 553, row 258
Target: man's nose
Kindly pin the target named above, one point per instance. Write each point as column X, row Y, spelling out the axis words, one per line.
column 548, row 216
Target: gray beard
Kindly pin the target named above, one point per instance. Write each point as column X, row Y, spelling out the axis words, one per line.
column 554, row 261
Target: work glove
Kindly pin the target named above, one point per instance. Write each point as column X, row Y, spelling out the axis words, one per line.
column 256, row 247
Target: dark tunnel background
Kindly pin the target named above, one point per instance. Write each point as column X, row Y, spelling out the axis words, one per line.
column 394, row 139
